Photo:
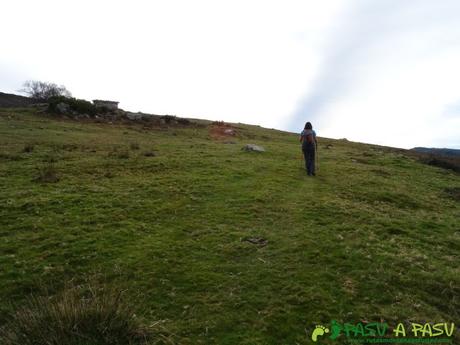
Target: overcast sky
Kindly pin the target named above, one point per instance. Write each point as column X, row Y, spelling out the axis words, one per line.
column 377, row 71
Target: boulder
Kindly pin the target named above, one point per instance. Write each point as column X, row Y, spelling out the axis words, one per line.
column 252, row 147
column 134, row 116
column 62, row 108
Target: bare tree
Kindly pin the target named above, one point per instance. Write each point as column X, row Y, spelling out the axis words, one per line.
column 43, row 90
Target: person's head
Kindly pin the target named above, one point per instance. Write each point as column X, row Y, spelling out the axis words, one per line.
column 308, row 126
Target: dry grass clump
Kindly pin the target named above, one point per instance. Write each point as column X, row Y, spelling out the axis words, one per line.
column 76, row 316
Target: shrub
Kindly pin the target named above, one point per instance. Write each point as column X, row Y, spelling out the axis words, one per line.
column 438, row 160
column 43, row 90
column 183, row 121
column 79, row 106
column 168, row 118
column 452, row 163
column 76, row 316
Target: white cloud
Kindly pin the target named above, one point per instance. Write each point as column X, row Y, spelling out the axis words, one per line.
column 388, row 72
column 357, row 66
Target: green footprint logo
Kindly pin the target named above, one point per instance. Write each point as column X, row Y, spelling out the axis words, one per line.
column 318, row 331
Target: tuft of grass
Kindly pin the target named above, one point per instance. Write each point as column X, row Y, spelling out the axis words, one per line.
column 75, row 316
column 453, row 193
column 69, row 147
column 10, row 157
column 134, row 146
column 50, row 159
column 29, row 147
column 47, row 173
column 149, row 153
column 109, row 174
column 120, row 154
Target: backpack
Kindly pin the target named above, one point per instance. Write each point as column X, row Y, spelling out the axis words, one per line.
column 309, row 137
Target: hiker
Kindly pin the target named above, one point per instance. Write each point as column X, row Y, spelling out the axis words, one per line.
column 309, row 145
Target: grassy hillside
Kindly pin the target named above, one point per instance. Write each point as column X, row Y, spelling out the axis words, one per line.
column 223, row 246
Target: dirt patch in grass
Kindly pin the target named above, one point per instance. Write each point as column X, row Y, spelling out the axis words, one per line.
column 349, row 286
column 220, row 130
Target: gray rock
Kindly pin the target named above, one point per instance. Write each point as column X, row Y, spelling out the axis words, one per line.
column 62, row 108
column 134, row 116
column 252, row 147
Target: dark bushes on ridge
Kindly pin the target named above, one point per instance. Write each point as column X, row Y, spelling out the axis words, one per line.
column 445, row 162
column 79, row 106
column 438, row 160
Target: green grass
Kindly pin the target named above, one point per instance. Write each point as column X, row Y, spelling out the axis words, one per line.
column 373, row 237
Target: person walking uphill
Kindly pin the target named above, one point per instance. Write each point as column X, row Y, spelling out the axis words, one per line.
column 309, row 144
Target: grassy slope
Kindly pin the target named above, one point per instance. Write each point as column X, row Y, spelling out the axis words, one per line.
column 373, row 237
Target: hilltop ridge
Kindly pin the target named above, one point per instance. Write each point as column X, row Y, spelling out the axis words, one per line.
column 438, row 151
column 9, row 100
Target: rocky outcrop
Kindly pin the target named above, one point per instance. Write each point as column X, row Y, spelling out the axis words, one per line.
column 254, row 148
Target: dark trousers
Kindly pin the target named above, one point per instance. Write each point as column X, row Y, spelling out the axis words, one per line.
column 309, row 155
